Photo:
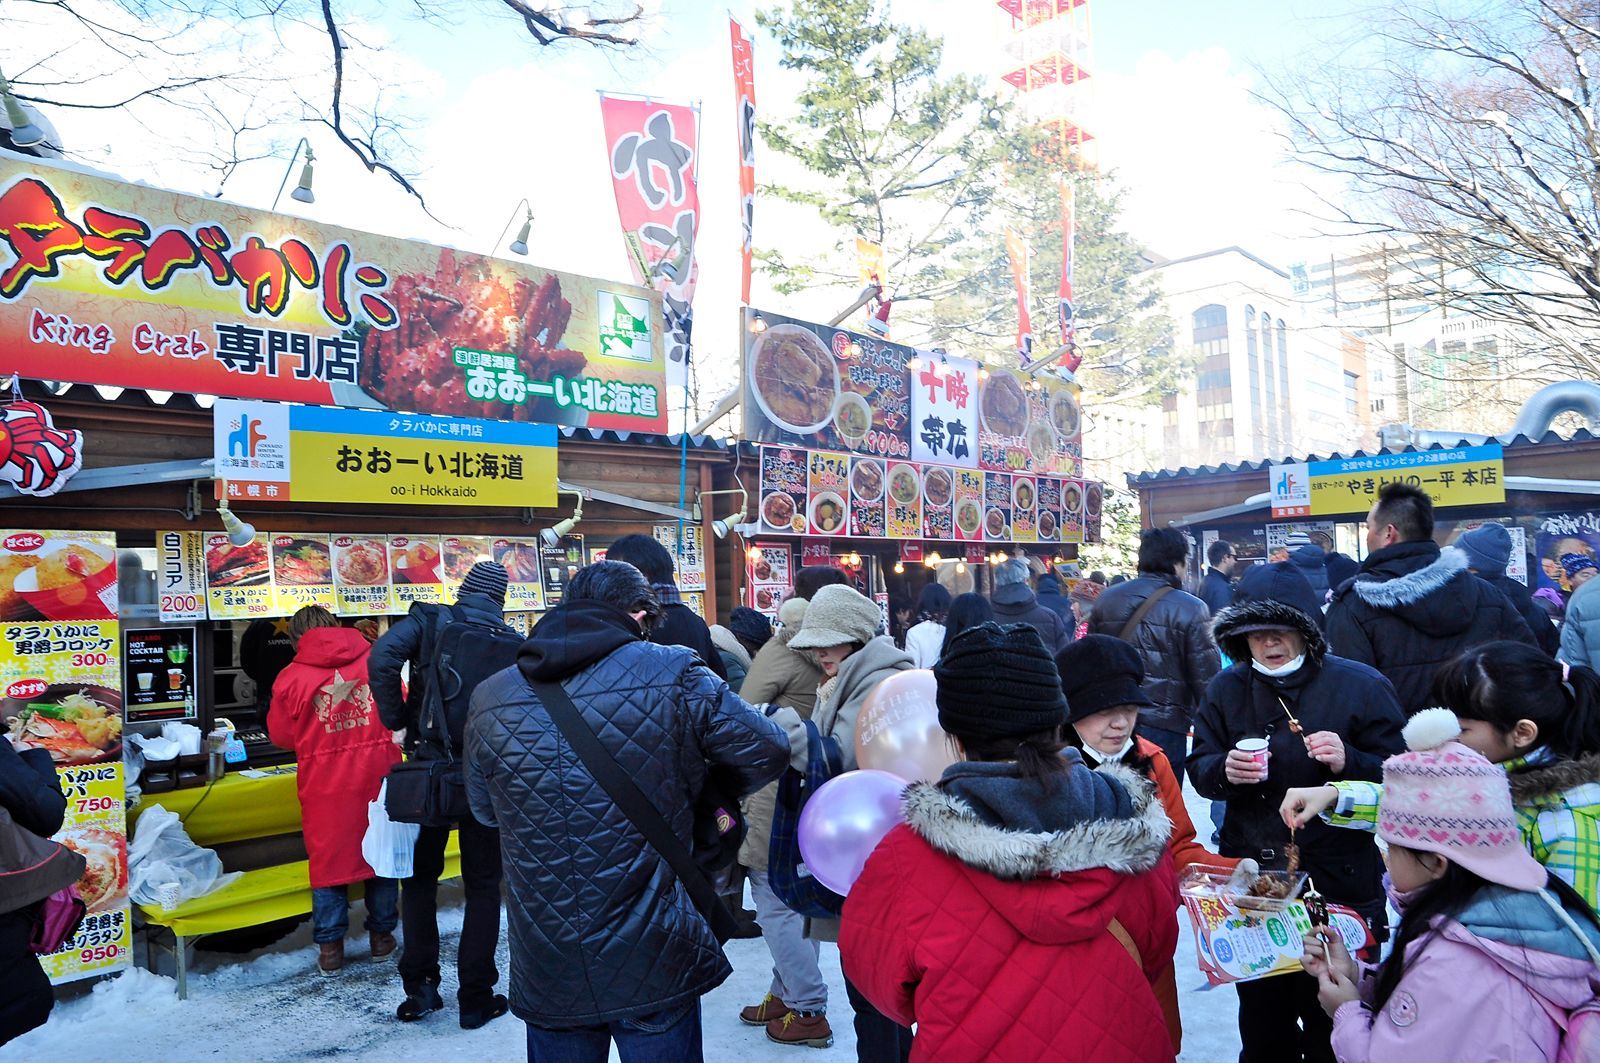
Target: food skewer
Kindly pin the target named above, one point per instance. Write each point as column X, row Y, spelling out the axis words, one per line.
column 1294, row 724
column 1316, row 905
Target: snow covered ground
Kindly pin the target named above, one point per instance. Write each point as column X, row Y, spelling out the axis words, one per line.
column 273, row 1005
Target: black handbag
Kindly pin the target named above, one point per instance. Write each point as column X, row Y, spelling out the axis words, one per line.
column 429, row 787
column 645, row 815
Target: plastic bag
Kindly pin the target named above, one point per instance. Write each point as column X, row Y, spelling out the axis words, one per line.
column 387, row 846
column 165, row 866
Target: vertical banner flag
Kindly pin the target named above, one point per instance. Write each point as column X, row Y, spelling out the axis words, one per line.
column 870, row 268
column 1069, row 326
column 744, row 92
column 653, row 148
column 1018, row 253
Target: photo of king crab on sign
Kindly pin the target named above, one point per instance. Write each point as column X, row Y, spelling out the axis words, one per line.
column 104, row 282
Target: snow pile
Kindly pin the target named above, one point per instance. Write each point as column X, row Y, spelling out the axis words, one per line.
column 272, row 1005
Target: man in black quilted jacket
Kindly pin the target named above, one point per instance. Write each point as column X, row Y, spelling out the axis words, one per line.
column 1173, row 637
column 605, row 940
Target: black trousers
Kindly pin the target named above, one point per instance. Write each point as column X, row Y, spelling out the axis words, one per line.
column 480, row 931
column 1280, row 1021
column 27, row 1000
column 879, row 1039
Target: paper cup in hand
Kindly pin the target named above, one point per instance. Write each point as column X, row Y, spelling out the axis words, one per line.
column 1255, row 749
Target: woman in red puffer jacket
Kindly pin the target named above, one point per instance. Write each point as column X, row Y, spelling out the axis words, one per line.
column 1023, row 910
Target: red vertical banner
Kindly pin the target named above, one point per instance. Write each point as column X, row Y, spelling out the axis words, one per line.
column 1069, row 325
column 1017, row 251
column 744, row 94
column 653, row 149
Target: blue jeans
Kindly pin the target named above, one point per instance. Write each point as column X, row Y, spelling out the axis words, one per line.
column 330, row 909
column 671, row 1036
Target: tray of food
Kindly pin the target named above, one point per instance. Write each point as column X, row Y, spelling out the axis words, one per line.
column 1259, row 891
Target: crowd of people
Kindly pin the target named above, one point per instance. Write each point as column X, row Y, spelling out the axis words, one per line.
column 1025, row 907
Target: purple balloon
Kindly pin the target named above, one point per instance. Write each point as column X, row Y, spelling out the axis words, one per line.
column 844, row 821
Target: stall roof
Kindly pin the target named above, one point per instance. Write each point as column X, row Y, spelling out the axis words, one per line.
column 136, row 398
column 1136, row 480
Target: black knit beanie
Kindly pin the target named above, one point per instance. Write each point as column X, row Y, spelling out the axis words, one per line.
column 486, row 578
column 998, row 681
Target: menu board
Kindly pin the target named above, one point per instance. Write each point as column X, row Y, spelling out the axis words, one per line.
column 1024, row 509
column 460, row 553
column 824, row 388
column 1093, row 502
column 360, row 575
column 181, row 576
column 1072, row 511
column 557, row 564
column 1048, row 522
column 688, row 553
column 1029, row 424
column 415, row 571
column 785, row 480
column 768, row 576
column 907, row 500
column 61, row 674
column 302, row 572
column 95, row 828
column 826, row 512
column 997, row 507
column 827, row 388
column 238, row 578
column 525, row 591
column 868, row 498
column 968, row 505
column 158, row 674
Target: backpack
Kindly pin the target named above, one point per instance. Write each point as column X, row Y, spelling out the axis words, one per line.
column 460, row 653
column 787, row 875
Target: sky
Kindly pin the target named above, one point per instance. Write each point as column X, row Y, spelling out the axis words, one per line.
column 496, row 118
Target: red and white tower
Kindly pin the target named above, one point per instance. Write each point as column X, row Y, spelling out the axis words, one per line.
column 1048, row 53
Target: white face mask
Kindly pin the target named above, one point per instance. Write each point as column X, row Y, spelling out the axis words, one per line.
column 1109, row 758
column 1277, row 673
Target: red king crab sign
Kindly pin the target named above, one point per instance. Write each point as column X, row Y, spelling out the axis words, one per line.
column 653, row 150
column 103, row 282
column 36, row 457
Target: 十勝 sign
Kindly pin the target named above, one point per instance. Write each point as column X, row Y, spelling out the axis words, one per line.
column 1460, row 476
column 269, row 452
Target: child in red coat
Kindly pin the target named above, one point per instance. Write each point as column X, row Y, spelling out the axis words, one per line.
column 322, row 709
column 1024, row 908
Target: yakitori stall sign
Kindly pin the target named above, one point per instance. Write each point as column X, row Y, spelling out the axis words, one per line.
column 767, row 575
column 60, row 673
column 1029, row 424
column 105, row 282
column 1460, row 476
column 825, row 388
column 271, row 452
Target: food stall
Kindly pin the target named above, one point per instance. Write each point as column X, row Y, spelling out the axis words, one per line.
column 1542, row 489
column 888, row 459
column 374, row 415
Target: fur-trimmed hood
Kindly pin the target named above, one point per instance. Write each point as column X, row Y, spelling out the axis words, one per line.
column 1414, row 585
column 1126, row 844
column 1229, row 628
column 1535, row 783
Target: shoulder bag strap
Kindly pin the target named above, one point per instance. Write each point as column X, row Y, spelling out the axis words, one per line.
column 635, row 805
column 1120, row 932
column 433, row 696
column 1140, row 613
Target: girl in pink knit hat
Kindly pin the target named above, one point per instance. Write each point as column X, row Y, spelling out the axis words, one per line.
column 1495, row 959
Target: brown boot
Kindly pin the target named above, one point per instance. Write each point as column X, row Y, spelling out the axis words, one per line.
column 330, row 956
column 382, row 943
column 797, row 1028
column 760, row 1014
